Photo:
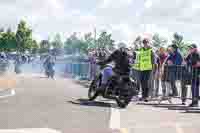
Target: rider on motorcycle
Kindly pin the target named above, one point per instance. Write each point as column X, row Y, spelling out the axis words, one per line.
column 120, row 58
column 49, row 63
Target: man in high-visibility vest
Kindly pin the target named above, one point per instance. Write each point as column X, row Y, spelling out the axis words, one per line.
column 145, row 66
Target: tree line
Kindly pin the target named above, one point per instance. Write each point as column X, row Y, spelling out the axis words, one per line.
column 22, row 41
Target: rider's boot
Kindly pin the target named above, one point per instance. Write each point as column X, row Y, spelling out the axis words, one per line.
column 102, row 88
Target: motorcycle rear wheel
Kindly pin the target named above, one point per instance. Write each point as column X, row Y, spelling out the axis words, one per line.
column 123, row 103
column 125, row 98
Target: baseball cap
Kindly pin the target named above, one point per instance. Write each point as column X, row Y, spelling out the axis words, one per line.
column 174, row 46
column 193, row 46
column 145, row 41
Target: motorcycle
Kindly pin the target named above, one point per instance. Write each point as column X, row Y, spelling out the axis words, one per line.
column 120, row 88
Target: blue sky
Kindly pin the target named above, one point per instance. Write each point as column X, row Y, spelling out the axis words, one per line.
column 125, row 19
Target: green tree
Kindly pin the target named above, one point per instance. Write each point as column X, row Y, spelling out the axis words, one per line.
column 23, row 37
column 74, row 44
column 89, row 40
column 178, row 40
column 70, row 43
column 158, row 41
column 34, row 47
column 57, row 44
column 7, row 41
column 44, row 46
column 137, row 42
column 105, row 40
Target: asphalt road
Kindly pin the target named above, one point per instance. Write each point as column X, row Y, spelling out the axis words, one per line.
column 61, row 106
column 46, row 103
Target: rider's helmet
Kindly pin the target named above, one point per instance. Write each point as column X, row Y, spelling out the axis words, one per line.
column 122, row 46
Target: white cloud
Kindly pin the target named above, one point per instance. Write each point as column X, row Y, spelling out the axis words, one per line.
column 114, row 3
column 124, row 18
column 148, row 4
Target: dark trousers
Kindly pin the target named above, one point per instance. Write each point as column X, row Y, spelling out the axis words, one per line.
column 144, row 78
column 164, row 87
column 135, row 74
column 195, row 89
column 174, row 88
column 184, row 90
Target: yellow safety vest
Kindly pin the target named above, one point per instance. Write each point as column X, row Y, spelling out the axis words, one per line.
column 145, row 59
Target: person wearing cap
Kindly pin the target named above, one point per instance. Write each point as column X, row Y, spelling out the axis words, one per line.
column 193, row 60
column 145, row 66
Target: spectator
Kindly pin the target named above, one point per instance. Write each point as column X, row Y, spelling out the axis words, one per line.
column 193, row 59
column 162, row 57
column 146, row 62
column 154, row 76
column 174, row 58
column 92, row 60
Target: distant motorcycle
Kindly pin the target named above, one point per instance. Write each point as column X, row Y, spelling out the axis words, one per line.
column 120, row 88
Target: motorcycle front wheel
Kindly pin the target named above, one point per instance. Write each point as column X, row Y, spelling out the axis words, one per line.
column 92, row 92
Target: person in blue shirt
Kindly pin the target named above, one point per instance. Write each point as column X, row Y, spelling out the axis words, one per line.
column 174, row 58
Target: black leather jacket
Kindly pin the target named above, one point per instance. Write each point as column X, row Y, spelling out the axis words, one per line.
column 121, row 59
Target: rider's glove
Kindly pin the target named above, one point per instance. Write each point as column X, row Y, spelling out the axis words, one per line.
column 100, row 63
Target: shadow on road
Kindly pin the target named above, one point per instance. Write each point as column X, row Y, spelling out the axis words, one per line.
column 86, row 102
column 191, row 111
column 161, row 105
column 168, row 106
column 180, row 107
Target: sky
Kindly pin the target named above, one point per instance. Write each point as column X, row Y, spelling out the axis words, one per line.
column 125, row 19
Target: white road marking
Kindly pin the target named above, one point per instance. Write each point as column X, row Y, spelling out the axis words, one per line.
column 12, row 93
column 178, row 128
column 115, row 119
column 30, row 130
column 115, row 123
column 124, row 130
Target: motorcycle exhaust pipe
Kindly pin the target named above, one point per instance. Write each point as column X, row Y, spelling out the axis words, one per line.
column 111, row 97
